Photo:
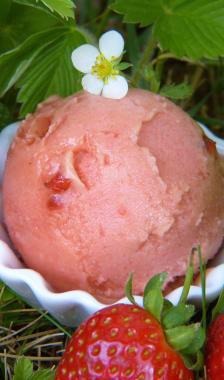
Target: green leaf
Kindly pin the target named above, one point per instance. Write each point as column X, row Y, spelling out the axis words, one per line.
column 128, row 289
column 23, row 369
column 153, row 303
column 156, row 281
column 193, row 28
column 194, row 363
column 219, row 307
column 5, row 117
column 6, row 294
column 178, row 315
column 40, row 7
column 180, row 91
column 181, row 337
column 132, row 43
column 196, row 343
column 167, row 305
column 20, row 22
column 65, row 8
column 15, row 62
column 153, row 297
column 51, row 71
column 5, row 10
column 44, row 374
column 150, row 75
column 123, row 66
column 144, row 12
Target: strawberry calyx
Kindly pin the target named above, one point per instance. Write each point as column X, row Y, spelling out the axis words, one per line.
column 181, row 333
column 219, row 307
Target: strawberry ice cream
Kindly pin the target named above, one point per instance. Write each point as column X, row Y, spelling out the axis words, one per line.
column 96, row 188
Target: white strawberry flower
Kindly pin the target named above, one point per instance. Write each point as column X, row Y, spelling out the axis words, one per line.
column 101, row 67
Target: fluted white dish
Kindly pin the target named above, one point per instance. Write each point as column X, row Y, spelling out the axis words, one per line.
column 70, row 308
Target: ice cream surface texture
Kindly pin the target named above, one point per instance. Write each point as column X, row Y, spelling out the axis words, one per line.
column 96, row 188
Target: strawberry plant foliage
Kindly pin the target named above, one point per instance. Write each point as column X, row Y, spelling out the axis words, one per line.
column 24, row 371
column 180, row 91
column 18, row 21
column 51, row 72
column 193, row 28
column 42, row 66
column 65, row 8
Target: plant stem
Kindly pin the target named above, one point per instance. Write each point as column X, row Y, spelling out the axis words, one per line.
column 203, row 289
column 144, row 59
column 195, row 83
column 188, row 279
column 166, row 56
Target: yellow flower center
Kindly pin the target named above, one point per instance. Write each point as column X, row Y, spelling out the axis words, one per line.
column 104, row 69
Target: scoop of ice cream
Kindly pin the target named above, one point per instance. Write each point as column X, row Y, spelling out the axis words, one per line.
column 96, row 188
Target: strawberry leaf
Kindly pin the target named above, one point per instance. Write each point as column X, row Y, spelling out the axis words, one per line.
column 23, row 369
column 18, row 22
column 5, row 10
column 40, row 7
column 193, row 28
column 51, row 72
column 182, row 336
column 63, row 7
column 6, row 118
column 144, row 12
column 180, row 91
column 178, row 315
column 14, row 63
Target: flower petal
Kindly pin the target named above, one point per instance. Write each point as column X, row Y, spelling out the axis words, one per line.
column 84, row 57
column 116, row 88
column 92, row 84
column 111, row 44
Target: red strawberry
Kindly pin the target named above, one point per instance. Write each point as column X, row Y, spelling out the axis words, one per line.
column 121, row 342
column 214, row 349
column 128, row 342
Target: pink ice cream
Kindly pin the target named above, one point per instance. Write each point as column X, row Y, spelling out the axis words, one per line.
column 96, row 188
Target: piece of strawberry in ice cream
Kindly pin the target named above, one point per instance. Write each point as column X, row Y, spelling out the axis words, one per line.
column 96, row 188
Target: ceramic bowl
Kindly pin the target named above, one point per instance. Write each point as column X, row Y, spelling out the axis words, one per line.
column 70, row 308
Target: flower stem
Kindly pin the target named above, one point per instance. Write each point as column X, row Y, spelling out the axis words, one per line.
column 143, row 61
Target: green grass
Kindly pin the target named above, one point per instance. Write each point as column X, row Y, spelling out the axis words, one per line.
column 29, row 332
